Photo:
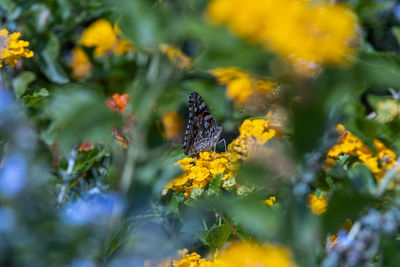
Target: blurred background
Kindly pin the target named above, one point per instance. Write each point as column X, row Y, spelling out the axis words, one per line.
column 94, row 106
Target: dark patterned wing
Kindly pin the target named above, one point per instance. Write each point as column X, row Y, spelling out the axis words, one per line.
column 202, row 132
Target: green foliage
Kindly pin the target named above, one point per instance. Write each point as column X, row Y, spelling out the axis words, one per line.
column 106, row 204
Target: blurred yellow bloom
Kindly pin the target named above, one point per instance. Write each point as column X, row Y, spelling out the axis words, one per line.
column 177, row 57
column 305, row 34
column 240, row 85
column 104, row 38
column 12, row 49
column 237, row 254
column 173, row 123
column 253, row 133
column 270, row 201
column 253, row 254
column 80, row 63
column 318, row 205
column 351, row 145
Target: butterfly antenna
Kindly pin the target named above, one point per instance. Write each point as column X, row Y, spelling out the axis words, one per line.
column 223, row 140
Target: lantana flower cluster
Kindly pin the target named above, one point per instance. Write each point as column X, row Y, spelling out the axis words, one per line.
column 349, row 144
column 105, row 39
column 254, row 133
column 12, row 49
column 176, row 56
column 241, row 86
column 237, row 254
column 199, row 171
column 317, row 204
column 305, row 34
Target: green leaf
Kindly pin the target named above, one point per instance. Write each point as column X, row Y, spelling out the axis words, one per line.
column 33, row 96
column 217, row 235
column 345, row 203
column 140, row 22
column 20, row 83
column 361, row 178
column 48, row 61
column 214, row 187
column 380, row 68
column 88, row 158
column 250, row 213
column 396, row 33
column 79, row 114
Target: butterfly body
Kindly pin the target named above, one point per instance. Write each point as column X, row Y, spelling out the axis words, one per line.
column 202, row 132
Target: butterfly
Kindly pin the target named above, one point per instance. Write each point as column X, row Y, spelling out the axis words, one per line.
column 202, row 132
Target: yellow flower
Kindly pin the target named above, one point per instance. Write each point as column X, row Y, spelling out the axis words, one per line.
column 185, row 260
column 80, row 63
column 172, row 123
column 306, row 35
column 240, row 86
column 353, row 146
column 318, row 205
column 104, row 38
column 253, row 133
column 12, row 49
column 123, row 46
column 270, row 201
column 237, row 254
column 177, row 57
column 198, row 172
column 253, row 254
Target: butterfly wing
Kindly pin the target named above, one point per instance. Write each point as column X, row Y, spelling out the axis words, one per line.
column 202, row 132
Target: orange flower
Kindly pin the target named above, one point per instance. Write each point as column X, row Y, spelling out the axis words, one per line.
column 86, row 145
column 118, row 102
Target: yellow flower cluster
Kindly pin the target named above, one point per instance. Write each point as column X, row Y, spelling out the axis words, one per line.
column 351, row 145
column 253, row 133
column 318, row 205
column 241, row 85
column 12, row 49
column 186, row 260
column 270, row 201
column 177, row 57
column 172, row 123
column 105, row 38
column 238, row 254
column 301, row 32
column 80, row 63
column 198, row 172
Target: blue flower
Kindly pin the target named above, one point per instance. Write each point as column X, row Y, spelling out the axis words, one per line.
column 93, row 207
column 13, row 175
